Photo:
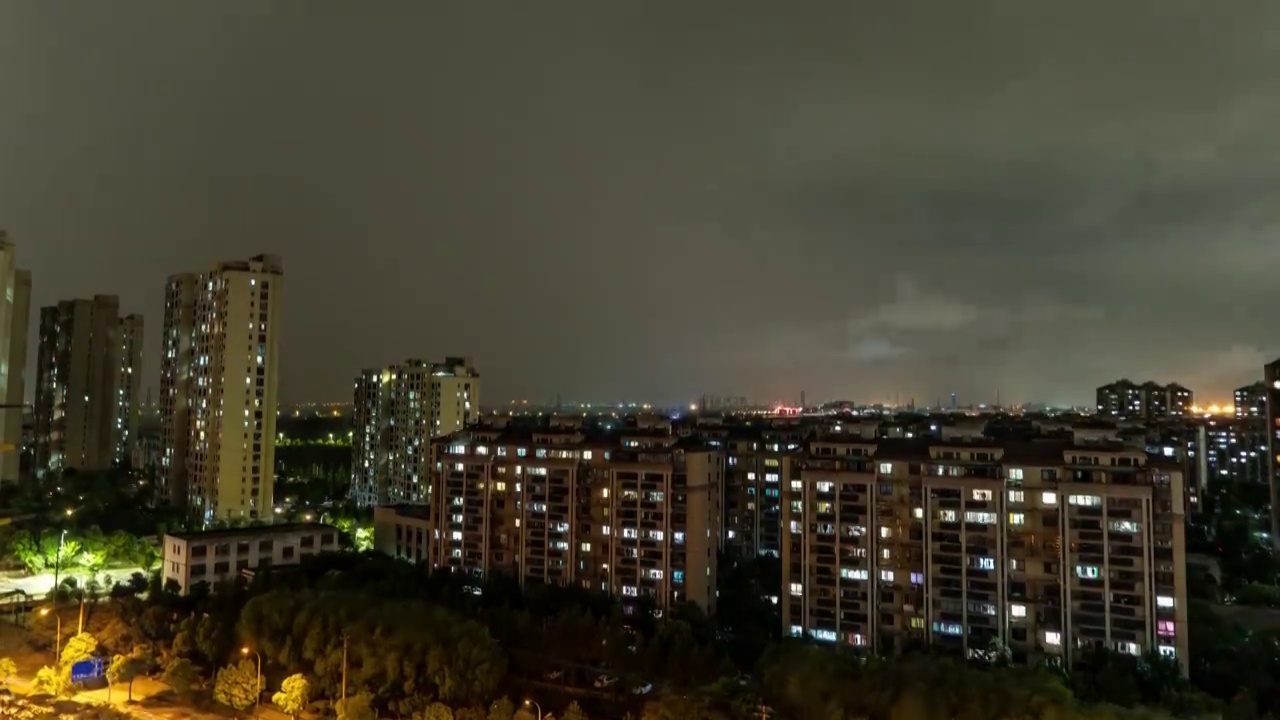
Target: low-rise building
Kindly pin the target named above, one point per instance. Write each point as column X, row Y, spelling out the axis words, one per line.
column 211, row 556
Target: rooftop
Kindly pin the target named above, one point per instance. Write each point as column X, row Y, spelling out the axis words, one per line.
column 252, row 531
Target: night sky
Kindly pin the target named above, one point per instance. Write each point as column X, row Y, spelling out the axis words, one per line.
column 655, row 200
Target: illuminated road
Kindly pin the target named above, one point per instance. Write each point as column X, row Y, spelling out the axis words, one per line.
column 40, row 585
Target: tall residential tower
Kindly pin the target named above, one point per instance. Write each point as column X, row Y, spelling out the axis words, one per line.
column 218, row 388
column 87, row 375
column 398, row 410
column 14, row 313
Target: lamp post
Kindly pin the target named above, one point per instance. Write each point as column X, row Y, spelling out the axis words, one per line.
column 257, row 687
column 57, row 643
column 57, row 563
column 528, row 702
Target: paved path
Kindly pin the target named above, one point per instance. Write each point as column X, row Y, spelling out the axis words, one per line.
column 37, row 586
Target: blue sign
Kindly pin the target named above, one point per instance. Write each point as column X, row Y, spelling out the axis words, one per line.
column 88, row 669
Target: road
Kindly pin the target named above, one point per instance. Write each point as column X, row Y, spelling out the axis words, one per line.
column 150, row 701
column 39, row 585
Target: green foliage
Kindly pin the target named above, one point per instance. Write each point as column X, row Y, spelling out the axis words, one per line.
column 82, row 646
column 295, row 693
column 573, row 712
column 438, row 711
column 236, row 685
column 356, row 707
column 438, row 656
column 501, row 709
column 180, row 675
column 8, row 668
column 125, row 668
column 52, row 681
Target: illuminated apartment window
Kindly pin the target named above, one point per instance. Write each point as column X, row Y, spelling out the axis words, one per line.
column 1016, row 496
column 1017, row 610
column 797, row 589
column 1049, row 497
column 982, row 495
column 886, row 468
column 1164, row 601
column 1017, row 518
column 1052, row 638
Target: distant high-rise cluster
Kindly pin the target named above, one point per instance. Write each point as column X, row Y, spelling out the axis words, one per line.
column 88, row 378
column 398, row 410
column 14, row 318
column 1124, row 399
column 218, row 388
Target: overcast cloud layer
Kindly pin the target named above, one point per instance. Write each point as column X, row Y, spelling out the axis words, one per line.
column 609, row 200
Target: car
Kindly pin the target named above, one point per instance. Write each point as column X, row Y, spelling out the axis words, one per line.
column 643, row 689
column 605, row 681
column 553, row 675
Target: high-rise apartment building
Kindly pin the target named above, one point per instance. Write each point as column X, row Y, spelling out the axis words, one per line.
column 1125, row 399
column 128, row 387
column 636, row 516
column 218, row 387
column 87, row 379
column 398, row 410
column 14, row 317
column 1251, row 401
column 1045, row 547
column 1271, row 380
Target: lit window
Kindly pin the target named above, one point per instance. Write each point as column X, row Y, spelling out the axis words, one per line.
column 947, row 515
column 586, row 454
column 1016, row 496
column 918, row 513
column 1015, row 473
column 886, row 468
column 1164, row 601
column 1084, row 500
column 1017, row 518
column 982, row 495
column 1018, row 610
column 1052, row 638
column 853, row 573
column 886, row 532
column 797, row 589
column 886, row 576
column 1049, row 497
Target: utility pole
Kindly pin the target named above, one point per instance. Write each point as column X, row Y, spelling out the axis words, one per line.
column 344, row 667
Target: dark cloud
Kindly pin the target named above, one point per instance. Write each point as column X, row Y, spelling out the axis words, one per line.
column 606, row 200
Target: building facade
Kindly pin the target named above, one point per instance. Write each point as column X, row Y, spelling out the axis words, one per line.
column 14, row 317
column 216, row 555
column 1044, row 547
column 218, row 387
column 1125, row 399
column 87, row 378
column 636, row 516
column 1271, row 380
column 398, row 411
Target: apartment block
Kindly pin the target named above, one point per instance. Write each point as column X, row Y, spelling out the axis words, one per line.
column 14, row 318
column 218, row 387
column 1125, row 399
column 87, row 378
column 216, row 555
column 755, row 474
column 1271, row 380
column 635, row 515
column 128, row 387
column 398, row 411
column 1251, row 401
column 1046, row 547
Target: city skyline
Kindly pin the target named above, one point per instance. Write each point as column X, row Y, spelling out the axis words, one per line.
column 852, row 202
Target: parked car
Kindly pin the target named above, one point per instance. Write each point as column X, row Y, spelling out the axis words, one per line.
column 553, row 675
column 605, row 681
column 643, row 689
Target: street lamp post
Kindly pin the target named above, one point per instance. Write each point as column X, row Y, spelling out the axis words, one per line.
column 257, row 687
column 536, row 705
column 57, row 643
column 57, row 563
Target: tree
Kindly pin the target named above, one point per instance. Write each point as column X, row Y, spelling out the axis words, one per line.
column 52, row 681
column 124, row 668
column 573, row 712
column 295, row 693
column 236, row 685
column 356, row 707
column 501, row 709
column 438, row 711
column 8, row 668
column 81, row 646
column 180, row 675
